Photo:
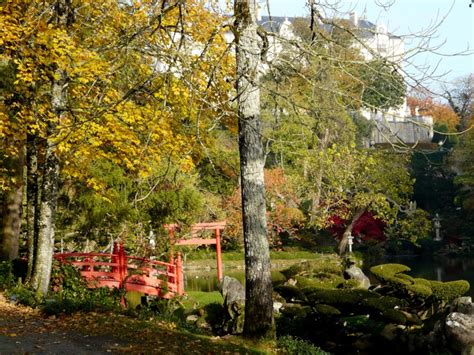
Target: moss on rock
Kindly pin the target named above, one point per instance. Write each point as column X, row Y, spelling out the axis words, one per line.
column 394, row 316
column 448, row 291
column 327, row 310
column 337, row 296
column 293, row 270
column 324, row 281
column 289, row 292
column 382, row 303
column 295, row 311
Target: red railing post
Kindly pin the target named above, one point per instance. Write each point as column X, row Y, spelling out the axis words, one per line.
column 115, row 261
column 122, row 269
column 123, row 264
column 179, row 274
column 218, row 255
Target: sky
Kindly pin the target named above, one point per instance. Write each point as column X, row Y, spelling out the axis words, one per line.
column 449, row 22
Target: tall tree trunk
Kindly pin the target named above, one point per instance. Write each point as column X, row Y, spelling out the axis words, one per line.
column 11, row 207
column 342, row 247
column 49, row 189
column 318, row 180
column 32, row 202
column 259, row 304
column 45, row 246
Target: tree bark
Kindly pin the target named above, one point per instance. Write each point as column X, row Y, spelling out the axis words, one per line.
column 342, row 247
column 32, row 202
column 49, row 188
column 11, row 208
column 259, row 304
column 318, row 180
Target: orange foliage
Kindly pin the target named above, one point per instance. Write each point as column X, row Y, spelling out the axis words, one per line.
column 283, row 214
column 442, row 113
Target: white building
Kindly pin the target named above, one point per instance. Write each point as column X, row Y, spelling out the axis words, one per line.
column 394, row 125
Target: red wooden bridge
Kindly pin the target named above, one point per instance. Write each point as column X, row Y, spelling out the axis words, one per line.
column 131, row 273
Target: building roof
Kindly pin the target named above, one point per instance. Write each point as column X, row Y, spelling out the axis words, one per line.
column 273, row 24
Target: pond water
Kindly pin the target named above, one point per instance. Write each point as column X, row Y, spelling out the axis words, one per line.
column 442, row 269
column 447, row 268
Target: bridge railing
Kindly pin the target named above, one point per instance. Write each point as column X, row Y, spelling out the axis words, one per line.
column 128, row 272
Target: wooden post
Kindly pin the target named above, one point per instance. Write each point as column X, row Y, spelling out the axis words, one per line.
column 218, row 255
column 114, row 260
column 179, row 274
column 122, row 261
column 171, row 261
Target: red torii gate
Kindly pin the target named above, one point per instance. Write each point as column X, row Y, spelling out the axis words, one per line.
column 195, row 240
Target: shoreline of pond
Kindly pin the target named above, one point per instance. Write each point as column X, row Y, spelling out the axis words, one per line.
column 211, row 264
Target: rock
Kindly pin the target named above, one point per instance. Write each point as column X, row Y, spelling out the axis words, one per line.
column 203, row 324
column 232, row 290
column 234, row 305
column 355, row 273
column 460, row 332
column 362, row 344
column 277, row 306
column 462, row 305
column 389, row 332
column 192, row 319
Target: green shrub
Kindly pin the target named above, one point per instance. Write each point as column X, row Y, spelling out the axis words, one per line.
column 168, row 309
column 22, row 295
column 214, row 314
column 6, row 275
column 291, row 345
column 292, row 271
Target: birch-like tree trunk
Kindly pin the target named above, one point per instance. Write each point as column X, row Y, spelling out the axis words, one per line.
column 259, row 304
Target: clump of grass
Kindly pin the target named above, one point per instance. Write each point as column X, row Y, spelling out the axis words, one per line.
column 291, row 345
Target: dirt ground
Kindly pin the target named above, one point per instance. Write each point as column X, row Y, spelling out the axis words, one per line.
column 26, row 331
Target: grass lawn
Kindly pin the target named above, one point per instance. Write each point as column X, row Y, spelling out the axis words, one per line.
column 206, row 254
column 201, row 299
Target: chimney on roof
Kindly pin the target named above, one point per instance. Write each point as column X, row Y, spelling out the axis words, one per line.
column 354, row 19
